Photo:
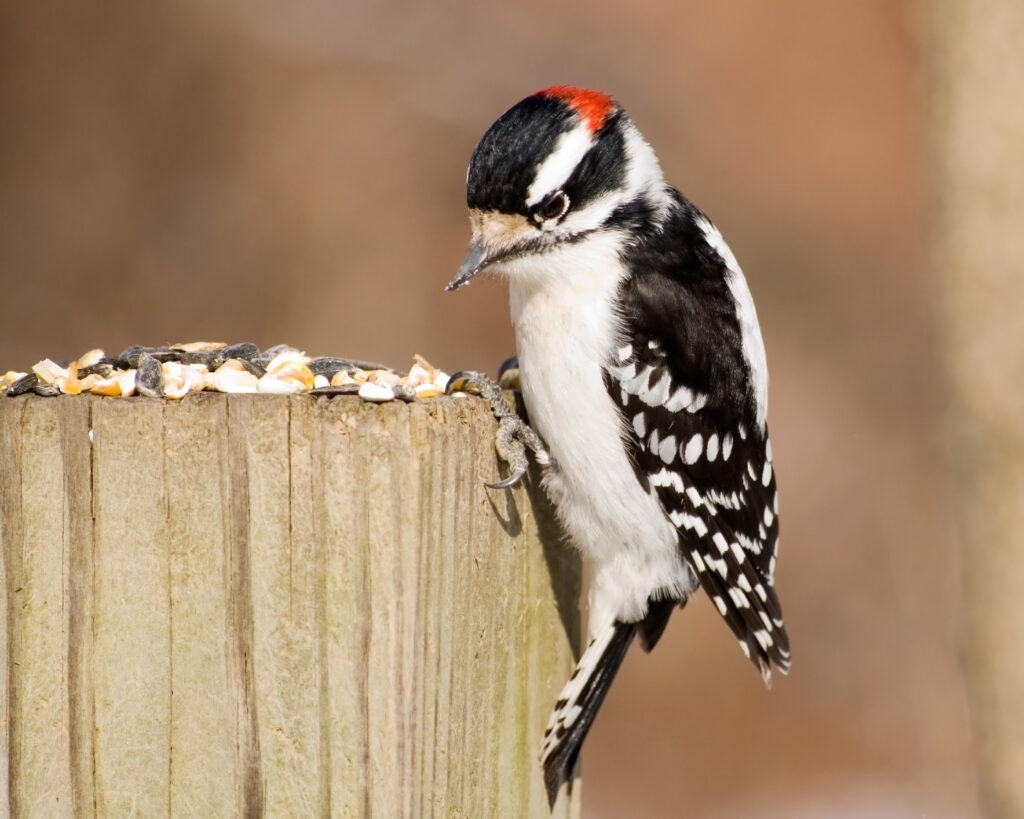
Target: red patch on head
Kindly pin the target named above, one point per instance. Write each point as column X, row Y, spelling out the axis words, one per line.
column 592, row 107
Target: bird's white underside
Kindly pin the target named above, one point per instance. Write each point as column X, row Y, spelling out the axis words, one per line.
column 561, row 305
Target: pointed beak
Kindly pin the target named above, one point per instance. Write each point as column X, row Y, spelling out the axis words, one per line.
column 476, row 261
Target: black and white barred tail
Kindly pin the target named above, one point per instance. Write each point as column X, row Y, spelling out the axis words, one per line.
column 582, row 696
column 579, row 702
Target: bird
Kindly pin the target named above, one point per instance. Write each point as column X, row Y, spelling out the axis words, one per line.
column 644, row 378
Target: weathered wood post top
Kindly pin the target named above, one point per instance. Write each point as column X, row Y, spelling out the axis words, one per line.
column 248, row 605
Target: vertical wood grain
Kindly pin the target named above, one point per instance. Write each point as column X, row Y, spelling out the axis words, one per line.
column 252, row 605
column 39, row 752
column 131, row 655
column 203, row 728
column 79, row 584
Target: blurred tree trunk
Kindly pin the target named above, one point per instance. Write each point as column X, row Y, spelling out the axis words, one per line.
column 974, row 55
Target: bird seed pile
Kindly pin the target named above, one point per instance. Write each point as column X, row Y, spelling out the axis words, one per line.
column 178, row 369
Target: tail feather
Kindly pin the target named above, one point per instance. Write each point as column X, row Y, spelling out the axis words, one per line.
column 579, row 702
column 653, row 625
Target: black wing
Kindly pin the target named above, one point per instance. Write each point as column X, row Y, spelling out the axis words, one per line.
column 682, row 384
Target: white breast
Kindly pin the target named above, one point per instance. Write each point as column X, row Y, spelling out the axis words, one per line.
column 566, row 329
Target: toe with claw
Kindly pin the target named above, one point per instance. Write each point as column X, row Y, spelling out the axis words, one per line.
column 514, row 436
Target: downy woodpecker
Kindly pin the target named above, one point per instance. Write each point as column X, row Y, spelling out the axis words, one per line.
column 642, row 372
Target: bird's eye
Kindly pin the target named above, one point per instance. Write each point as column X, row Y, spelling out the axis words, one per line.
column 553, row 207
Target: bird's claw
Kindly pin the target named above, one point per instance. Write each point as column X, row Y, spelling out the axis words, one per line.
column 514, row 436
column 468, row 381
column 510, row 482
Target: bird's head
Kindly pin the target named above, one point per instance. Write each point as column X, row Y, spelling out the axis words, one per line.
column 554, row 169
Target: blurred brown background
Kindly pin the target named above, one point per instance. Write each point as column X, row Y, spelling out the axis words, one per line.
column 274, row 172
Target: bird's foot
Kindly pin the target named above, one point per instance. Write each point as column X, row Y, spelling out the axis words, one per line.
column 515, row 437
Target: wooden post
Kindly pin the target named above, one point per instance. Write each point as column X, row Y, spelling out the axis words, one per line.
column 283, row 606
column 975, row 131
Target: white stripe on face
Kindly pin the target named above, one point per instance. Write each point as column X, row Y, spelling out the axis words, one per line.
column 556, row 169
